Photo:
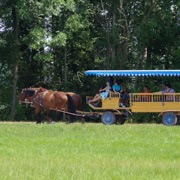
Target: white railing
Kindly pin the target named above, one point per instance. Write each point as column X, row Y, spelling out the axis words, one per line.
column 155, row 97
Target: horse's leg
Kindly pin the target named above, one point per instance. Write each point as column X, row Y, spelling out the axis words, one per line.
column 82, row 120
column 95, row 99
column 37, row 115
column 68, row 117
column 57, row 117
column 80, row 108
column 64, row 101
column 71, row 108
column 47, row 115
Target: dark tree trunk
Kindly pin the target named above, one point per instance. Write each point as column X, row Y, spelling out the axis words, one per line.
column 114, row 38
column 16, row 61
column 148, row 61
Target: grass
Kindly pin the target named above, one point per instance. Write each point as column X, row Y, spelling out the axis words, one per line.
column 89, row 151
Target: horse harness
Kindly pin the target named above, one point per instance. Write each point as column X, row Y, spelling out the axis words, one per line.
column 40, row 104
column 27, row 100
column 42, row 97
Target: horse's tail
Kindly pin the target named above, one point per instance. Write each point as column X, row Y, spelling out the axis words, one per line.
column 71, row 107
column 80, row 104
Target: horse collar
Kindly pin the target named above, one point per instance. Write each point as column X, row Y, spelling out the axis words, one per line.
column 42, row 97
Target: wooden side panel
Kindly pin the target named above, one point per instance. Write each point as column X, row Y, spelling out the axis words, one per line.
column 154, row 106
column 155, row 102
column 112, row 102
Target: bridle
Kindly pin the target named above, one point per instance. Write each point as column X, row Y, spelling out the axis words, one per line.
column 27, row 100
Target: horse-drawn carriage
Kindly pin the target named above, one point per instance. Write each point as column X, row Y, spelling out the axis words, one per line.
column 166, row 104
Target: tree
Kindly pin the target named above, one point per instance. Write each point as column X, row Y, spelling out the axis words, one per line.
column 46, row 43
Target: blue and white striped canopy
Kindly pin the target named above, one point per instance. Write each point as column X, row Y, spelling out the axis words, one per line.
column 99, row 73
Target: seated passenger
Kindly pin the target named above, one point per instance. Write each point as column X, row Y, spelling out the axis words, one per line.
column 146, row 97
column 124, row 96
column 97, row 95
column 167, row 89
column 104, row 94
column 117, row 86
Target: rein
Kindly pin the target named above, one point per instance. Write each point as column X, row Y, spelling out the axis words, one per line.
column 74, row 114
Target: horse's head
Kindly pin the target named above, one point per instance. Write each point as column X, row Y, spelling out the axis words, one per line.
column 26, row 94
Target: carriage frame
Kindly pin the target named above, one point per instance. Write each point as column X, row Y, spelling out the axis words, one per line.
column 166, row 104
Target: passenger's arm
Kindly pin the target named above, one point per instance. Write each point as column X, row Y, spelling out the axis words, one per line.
column 158, row 92
column 102, row 89
column 105, row 88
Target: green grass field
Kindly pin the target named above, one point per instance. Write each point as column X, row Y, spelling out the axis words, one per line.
column 89, row 151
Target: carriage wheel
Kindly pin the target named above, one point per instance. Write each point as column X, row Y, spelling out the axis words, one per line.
column 169, row 119
column 108, row 118
column 121, row 119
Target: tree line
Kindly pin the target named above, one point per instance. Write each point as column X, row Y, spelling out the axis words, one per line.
column 51, row 43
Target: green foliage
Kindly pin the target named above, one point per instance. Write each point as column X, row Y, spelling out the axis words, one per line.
column 56, row 39
column 59, row 40
column 2, row 42
column 37, row 38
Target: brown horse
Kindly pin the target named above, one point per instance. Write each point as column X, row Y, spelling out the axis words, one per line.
column 78, row 103
column 44, row 99
column 49, row 100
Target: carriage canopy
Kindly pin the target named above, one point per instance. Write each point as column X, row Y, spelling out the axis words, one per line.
column 131, row 73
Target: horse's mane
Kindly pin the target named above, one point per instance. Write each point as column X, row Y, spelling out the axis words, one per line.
column 39, row 89
column 30, row 92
